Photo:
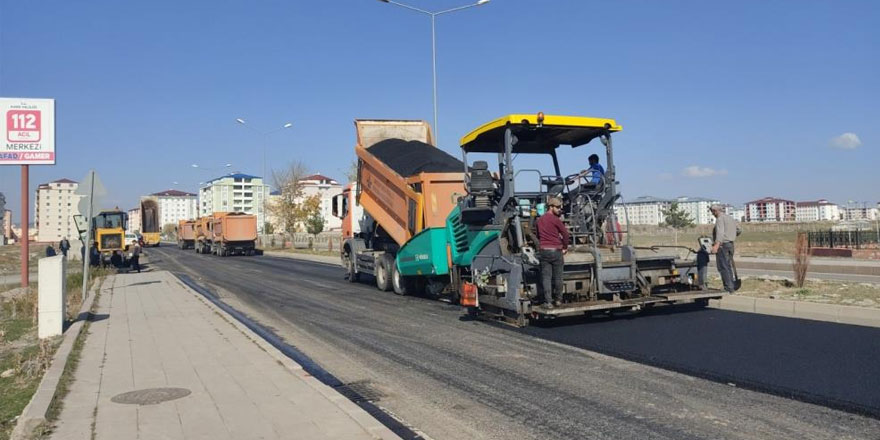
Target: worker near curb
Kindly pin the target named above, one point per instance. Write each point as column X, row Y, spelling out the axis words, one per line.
column 64, row 245
column 135, row 256
column 553, row 238
column 723, row 236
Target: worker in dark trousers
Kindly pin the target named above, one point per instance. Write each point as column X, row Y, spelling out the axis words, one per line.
column 135, row 256
column 724, row 236
column 64, row 245
column 553, row 237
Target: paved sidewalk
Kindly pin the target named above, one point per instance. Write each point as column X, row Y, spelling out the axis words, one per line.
column 152, row 332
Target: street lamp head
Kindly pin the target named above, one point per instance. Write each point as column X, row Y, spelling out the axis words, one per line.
column 482, row 2
column 288, row 125
column 384, row 1
column 228, row 165
column 195, row 165
column 239, row 120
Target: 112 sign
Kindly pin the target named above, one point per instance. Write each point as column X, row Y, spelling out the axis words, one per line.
column 23, row 126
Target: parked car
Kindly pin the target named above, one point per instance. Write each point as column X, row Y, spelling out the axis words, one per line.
column 129, row 237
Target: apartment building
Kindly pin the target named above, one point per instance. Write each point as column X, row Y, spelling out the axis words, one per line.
column 698, row 209
column 816, row 211
column 324, row 187
column 738, row 214
column 645, row 210
column 55, row 205
column 176, row 205
column 134, row 220
column 864, row 212
column 771, row 209
column 648, row 210
column 235, row 193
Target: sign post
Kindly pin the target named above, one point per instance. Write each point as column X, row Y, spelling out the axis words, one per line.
column 92, row 191
column 28, row 129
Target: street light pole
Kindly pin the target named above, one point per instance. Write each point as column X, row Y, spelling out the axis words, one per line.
column 264, row 137
column 433, row 16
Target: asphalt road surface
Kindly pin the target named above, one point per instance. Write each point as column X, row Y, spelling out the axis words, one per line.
column 453, row 378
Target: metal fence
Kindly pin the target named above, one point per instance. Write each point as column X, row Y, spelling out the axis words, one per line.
column 325, row 241
column 857, row 239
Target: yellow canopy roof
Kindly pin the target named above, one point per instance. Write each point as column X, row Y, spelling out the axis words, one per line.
column 554, row 131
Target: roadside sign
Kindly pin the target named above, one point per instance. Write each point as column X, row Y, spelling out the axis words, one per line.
column 93, row 187
column 27, row 127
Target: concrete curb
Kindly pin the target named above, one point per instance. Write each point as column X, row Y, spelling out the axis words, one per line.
column 840, row 314
column 814, row 268
column 361, row 417
column 308, row 257
column 35, row 412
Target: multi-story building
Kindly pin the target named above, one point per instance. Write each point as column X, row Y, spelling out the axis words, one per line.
column 176, row 205
column 235, row 193
column 851, row 213
column 698, row 209
column 738, row 213
column 771, row 209
column 325, row 188
column 134, row 220
column 645, row 210
column 55, row 205
column 816, row 211
column 648, row 210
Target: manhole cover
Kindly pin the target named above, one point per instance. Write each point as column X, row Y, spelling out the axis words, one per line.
column 150, row 396
column 360, row 391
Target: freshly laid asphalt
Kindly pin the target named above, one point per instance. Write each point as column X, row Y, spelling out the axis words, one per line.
column 455, row 378
column 821, row 362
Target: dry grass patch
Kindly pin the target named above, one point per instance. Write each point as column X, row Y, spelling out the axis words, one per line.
column 818, row 291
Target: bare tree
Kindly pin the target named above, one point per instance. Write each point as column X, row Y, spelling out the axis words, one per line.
column 352, row 172
column 291, row 208
column 801, row 263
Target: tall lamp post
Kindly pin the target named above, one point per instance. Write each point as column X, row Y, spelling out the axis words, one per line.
column 433, row 15
column 264, row 135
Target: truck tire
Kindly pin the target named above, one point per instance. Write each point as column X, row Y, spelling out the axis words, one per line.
column 402, row 285
column 353, row 276
column 383, row 272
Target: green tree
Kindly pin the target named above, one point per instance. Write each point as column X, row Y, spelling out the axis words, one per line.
column 292, row 208
column 314, row 226
column 170, row 231
column 676, row 217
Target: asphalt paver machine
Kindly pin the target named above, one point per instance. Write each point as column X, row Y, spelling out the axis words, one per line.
column 493, row 239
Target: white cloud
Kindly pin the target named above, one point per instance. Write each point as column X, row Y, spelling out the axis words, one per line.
column 846, row 141
column 698, row 171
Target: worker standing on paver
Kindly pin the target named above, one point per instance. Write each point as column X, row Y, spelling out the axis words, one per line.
column 553, row 237
column 723, row 236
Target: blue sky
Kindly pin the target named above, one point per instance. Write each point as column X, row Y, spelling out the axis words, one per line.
column 735, row 100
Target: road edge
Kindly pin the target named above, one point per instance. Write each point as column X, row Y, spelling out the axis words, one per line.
column 840, row 314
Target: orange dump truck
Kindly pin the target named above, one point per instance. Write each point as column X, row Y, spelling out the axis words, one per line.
column 186, row 234
column 406, row 187
column 202, row 234
column 233, row 233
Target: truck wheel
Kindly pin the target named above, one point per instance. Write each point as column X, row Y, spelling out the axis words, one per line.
column 402, row 285
column 383, row 272
column 353, row 276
